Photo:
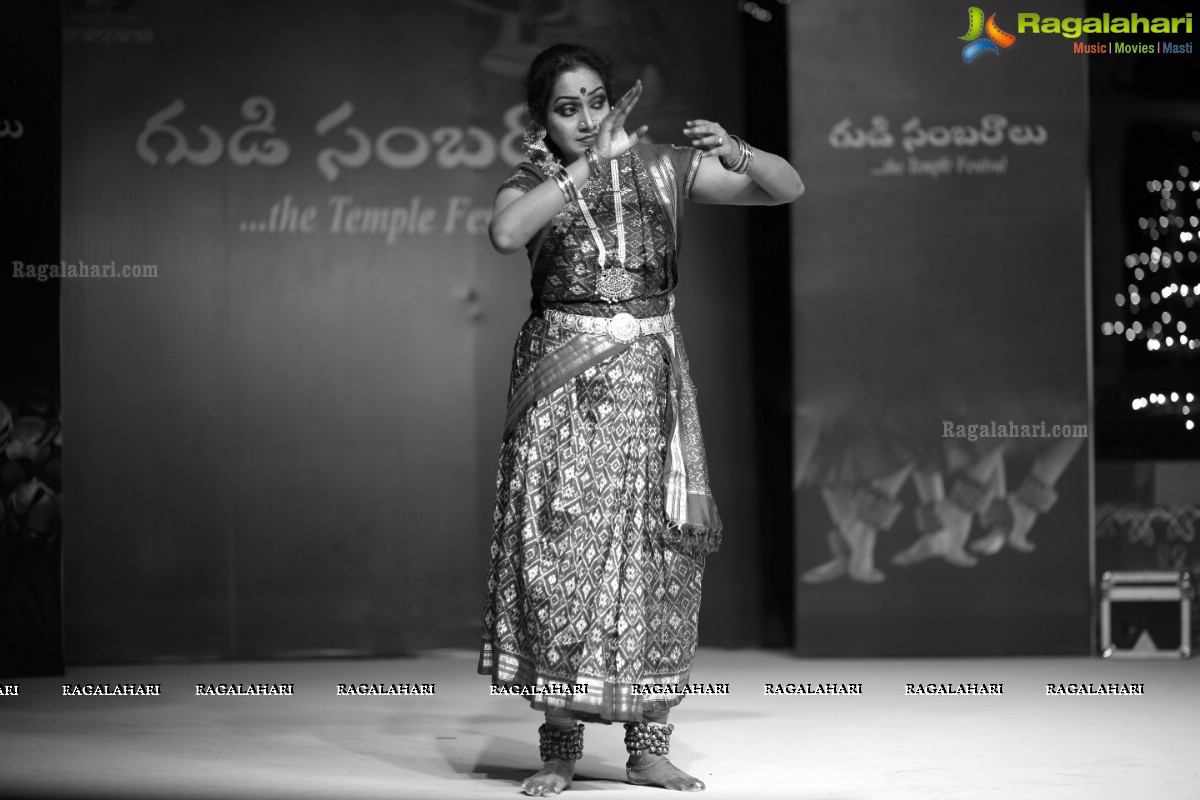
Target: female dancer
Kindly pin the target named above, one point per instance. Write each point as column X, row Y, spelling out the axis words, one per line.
column 603, row 513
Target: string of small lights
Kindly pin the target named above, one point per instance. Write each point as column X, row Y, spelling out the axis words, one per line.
column 1176, row 405
column 1165, row 285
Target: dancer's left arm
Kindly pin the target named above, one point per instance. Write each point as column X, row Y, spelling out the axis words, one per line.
column 770, row 181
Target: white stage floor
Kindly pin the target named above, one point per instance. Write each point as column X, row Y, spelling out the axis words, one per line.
column 463, row 743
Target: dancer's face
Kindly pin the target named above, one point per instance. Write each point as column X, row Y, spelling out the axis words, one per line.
column 577, row 104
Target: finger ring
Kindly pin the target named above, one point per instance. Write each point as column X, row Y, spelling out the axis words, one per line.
column 720, row 141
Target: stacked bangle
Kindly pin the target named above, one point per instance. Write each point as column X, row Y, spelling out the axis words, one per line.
column 745, row 156
column 593, row 161
column 566, row 185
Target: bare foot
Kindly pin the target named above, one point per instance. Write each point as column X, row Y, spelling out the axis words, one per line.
column 652, row 770
column 835, row 567
column 1023, row 519
column 830, row 570
column 989, row 544
column 861, row 566
column 946, row 544
column 551, row 779
column 920, row 550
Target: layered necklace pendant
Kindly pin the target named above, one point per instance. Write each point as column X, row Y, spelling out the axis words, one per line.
column 614, row 283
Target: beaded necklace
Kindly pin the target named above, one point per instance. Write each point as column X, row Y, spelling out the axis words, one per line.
column 614, row 283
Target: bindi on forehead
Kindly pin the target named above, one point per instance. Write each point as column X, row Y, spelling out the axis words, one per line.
column 584, row 91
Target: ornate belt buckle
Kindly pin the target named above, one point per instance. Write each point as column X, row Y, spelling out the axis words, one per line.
column 623, row 327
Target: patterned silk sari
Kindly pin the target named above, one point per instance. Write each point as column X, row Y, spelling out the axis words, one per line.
column 603, row 514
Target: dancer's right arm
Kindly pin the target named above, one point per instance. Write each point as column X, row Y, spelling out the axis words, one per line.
column 517, row 216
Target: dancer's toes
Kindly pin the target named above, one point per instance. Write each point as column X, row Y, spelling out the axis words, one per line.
column 550, row 780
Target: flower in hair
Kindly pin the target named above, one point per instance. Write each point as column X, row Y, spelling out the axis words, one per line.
column 534, row 145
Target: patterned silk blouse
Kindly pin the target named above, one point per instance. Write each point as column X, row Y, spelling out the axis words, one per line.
column 654, row 181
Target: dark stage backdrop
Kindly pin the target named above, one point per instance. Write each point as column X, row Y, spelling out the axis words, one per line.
column 939, row 278
column 30, row 432
column 284, row 442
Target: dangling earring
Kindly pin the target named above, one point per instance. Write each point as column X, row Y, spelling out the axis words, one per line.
column 534, row 141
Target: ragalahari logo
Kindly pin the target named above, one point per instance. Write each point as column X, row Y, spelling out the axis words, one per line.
column 977, row 46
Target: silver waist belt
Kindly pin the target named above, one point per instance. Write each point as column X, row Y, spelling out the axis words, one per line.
column 621, row 328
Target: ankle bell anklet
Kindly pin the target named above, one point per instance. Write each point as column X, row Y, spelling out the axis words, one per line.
column 997, row 515
column 1036, row 494
column 560, row 743
column 875, row 508
column 648, row 737
column 968, row 494
column 929, row 519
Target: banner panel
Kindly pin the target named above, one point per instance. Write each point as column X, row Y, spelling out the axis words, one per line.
column 940, row 331
column 285, row 410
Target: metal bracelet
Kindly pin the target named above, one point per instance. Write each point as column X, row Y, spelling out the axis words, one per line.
column 729, row 165
column 745, row 155
column 567, row 186
column 593, row 161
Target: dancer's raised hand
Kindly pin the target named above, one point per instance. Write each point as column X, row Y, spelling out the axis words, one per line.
column 611, row 138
